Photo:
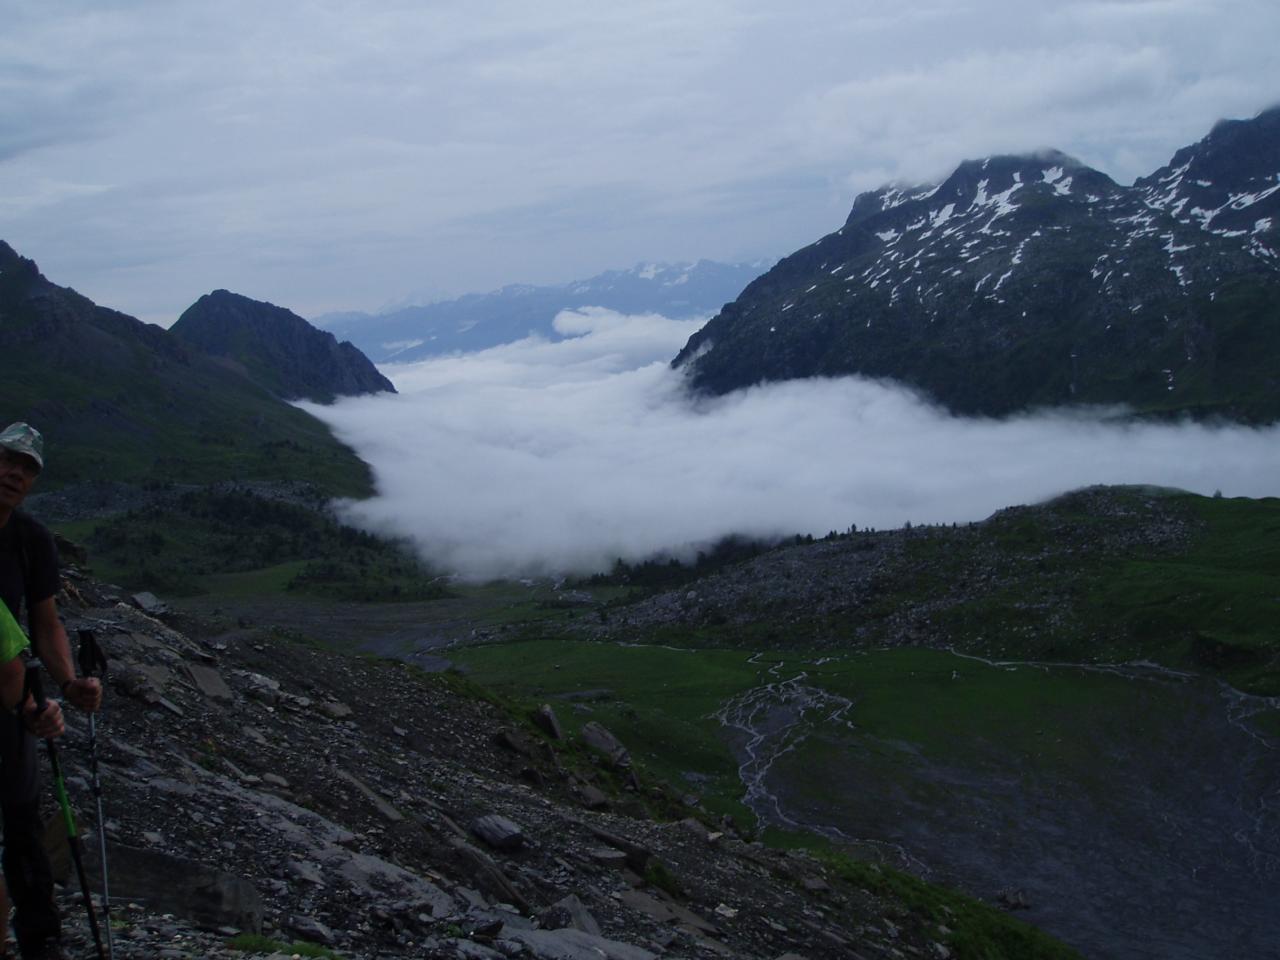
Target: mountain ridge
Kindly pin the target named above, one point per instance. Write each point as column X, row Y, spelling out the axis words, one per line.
column 1034, row 280
column 119, row 399
column 477, row 321
column 279, row 348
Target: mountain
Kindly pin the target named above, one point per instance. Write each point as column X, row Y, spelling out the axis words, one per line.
column 119, row 399
column 278, row 348
column 481, row 320
column 1035, row 280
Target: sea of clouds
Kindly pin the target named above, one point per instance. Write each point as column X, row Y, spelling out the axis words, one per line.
column 540, row 458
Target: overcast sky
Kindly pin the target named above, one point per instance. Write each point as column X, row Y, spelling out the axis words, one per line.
column 332, row 155
column 538, row 458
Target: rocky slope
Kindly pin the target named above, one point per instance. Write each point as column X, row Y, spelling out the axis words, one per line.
column 278, row 348
column 254, row 784
column 481, row 320
column 1034, row 280
column 911, row 586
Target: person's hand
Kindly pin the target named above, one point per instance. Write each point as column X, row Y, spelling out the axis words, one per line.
column 84, row 693
column 47, row 723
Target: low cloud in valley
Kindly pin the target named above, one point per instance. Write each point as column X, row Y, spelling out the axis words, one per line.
column 543, row 458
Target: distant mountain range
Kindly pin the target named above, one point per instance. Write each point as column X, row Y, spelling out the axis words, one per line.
column 119, row 399
column 1023, row 281
column 482, row 320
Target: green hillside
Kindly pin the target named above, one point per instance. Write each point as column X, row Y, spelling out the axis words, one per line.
column 118, row 399
column 1105, row 574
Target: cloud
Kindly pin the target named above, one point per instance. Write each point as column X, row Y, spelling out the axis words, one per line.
column 406, row 146
column 542, row 458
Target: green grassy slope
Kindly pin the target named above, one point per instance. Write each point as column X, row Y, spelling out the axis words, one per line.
column 1102, row 575
column 233, row 542
column 122, row 400
column 664, row 702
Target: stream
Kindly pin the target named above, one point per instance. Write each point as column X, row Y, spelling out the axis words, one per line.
column 1169, row 848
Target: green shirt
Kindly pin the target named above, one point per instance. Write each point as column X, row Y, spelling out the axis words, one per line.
column 12, row 640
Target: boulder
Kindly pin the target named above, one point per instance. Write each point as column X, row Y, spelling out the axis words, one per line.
column 310, row 929
column 480, row 869
column 574, row 945
column 516, row 742
column 593, row 798
column 569, row 912
column 149, row 603
column 209, row 682
column 603, row 742
column 336, row 711
column 165, row 883
column 498, row 832
column 546, row 718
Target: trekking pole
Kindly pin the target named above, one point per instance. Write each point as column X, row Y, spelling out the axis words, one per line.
column 93, row 663
column 35, row 688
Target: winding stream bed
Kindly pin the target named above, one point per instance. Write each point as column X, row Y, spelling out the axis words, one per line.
column 1155, row 833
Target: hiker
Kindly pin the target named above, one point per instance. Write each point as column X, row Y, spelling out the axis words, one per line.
column 29, row 576
column 42, row 724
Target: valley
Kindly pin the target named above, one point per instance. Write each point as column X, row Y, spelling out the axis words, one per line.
column 1128, row 811
column 990, row 707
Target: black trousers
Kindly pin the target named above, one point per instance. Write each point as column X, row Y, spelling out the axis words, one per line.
column 26, row 865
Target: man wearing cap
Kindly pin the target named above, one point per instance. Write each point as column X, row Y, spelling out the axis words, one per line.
column 29, row 577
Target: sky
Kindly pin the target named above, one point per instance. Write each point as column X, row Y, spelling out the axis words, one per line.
column 335, row 155
column 540, row 458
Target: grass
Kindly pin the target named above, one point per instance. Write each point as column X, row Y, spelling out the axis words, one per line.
column 511, row 602
column 976, row 931
column 930, row 731
column 1267, row 723
column 128, row 427
column 911, row 708
column 959, row 709
column 659, row 701
column 234, row 542
column 1209, row 606
column 1076, row 580
column 252, row 583
column 121, row 400
column 1213, row 606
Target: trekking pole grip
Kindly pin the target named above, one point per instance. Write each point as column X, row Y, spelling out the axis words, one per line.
column 33, row 686
column 93, row 661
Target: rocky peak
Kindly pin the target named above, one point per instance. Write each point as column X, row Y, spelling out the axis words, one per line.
column 66, row 326
column 991, row 182
column 1031, row 280
column 9, row 257
column 1227, row 184
column 278, row 348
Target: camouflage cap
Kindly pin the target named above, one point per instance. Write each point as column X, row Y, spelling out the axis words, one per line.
column 23, row 438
